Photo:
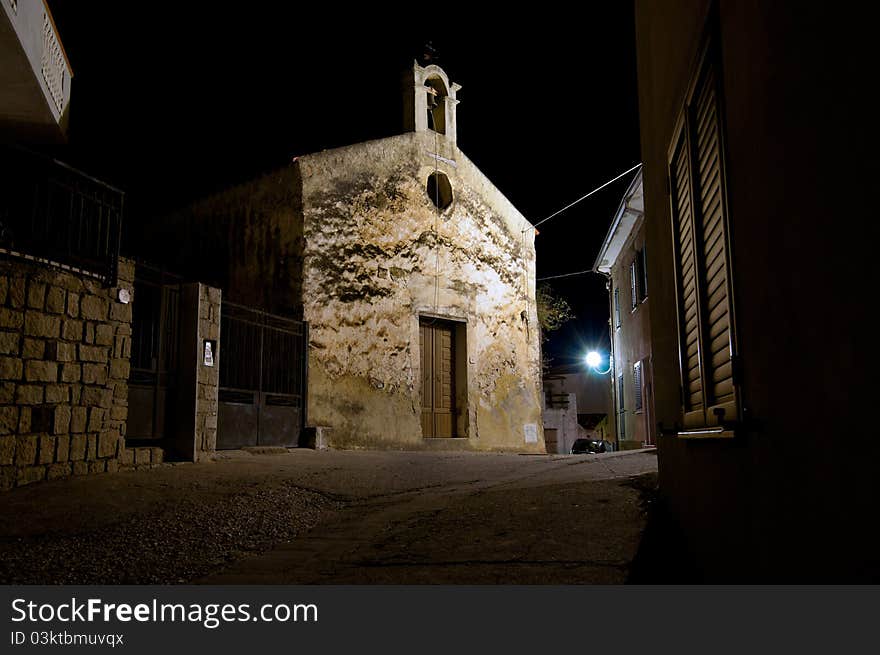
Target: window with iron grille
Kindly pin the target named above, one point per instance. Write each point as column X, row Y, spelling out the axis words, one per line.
column 702, row 258
column 637, row 386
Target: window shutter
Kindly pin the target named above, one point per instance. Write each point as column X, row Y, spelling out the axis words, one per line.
column 696, row 173
column 713, row 260
column 643, row 265
column 617, row 306
column 637, row 385
column 689, row 324
column 633, row 284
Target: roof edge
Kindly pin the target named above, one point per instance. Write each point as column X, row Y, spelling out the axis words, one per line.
column 618, row 214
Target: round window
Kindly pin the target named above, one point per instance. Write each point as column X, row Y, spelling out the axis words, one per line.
column 439, row 190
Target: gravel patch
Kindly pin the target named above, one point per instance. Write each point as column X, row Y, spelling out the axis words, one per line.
column 179, row 542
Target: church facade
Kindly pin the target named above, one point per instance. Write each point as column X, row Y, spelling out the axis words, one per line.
column 416, row 277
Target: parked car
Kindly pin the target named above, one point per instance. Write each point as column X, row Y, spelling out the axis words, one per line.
column 588, row 446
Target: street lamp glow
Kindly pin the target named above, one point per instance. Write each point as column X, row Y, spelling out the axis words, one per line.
column 593, row 359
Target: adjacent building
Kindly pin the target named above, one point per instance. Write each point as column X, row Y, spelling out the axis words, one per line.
column 760, row 247
column 623, row 260
column 65, row 294
column 576, row 401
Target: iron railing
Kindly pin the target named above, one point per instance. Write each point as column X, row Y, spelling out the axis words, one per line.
column 53, row 213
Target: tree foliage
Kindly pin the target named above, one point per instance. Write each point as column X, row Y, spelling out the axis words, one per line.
column 553, row 311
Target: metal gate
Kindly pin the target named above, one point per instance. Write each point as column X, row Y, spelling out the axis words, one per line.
column 262, row 378
column 154, row 358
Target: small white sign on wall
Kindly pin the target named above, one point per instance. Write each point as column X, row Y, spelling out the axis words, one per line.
column 210, row 348
column 531, row 432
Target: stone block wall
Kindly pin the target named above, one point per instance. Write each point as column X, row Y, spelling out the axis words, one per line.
column 65, row 344
column 194, row 433
column 140, row 458
column 208, row 377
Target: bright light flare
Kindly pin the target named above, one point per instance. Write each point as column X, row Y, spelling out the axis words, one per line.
column 593, row 359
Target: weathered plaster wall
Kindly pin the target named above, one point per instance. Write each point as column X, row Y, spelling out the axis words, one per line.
column 246, row 240
column 349, row 240
column 65, row 344
column 377, row 255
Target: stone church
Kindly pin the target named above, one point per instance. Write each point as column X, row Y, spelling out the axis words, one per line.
column 414, row 273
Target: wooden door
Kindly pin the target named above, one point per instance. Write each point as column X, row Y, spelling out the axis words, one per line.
column 437, row 348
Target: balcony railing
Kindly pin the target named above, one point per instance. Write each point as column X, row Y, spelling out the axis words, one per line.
column 35, row 89
column 53, row 63
column 56, row 214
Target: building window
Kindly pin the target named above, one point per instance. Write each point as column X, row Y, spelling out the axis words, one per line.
column 638, row 279
column 633, row 284
column 706, row 325
column 637, row 386
column 621, row 412
column 439, row 190
column 617, row 307
column 642, row 279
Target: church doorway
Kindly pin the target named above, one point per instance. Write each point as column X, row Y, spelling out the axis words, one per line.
column 437, row 347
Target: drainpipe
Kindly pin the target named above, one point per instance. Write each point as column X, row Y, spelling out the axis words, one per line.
column 612, row 415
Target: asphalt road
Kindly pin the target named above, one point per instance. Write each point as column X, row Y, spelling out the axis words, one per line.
column 335, row 517
column 428, row 518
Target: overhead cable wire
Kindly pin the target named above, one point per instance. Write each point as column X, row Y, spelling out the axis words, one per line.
column 584, row 197
column 556, row 277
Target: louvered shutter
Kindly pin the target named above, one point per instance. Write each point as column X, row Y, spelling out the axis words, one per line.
column 634, row 284
column 643, row 266
column 617, row 307
column 696, row 179
column 637, row 385
column 689, row 323
column 713, row 247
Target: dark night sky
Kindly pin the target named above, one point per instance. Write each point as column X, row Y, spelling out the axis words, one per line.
column 171, row 102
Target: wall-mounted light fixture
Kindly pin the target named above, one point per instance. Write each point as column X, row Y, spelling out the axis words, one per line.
column 594, row 360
